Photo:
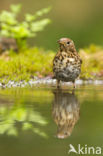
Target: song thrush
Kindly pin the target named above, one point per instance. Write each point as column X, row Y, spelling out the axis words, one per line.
column 65, row 112
column 67, row 62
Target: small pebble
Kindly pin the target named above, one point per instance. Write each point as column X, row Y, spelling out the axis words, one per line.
column 46, row 81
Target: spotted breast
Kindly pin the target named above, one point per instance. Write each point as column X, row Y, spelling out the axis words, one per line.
column 67, row 62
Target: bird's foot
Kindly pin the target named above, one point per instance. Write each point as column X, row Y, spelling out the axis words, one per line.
column 58, row 84
column 74, row 86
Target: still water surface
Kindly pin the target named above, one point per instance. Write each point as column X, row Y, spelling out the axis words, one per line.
column 44, row 121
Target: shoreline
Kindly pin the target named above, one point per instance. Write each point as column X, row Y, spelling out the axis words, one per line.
column 48, row 82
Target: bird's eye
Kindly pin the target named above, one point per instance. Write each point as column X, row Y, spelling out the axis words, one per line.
column 68, row 42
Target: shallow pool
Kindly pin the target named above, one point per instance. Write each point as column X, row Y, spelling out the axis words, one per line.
column 46, row 121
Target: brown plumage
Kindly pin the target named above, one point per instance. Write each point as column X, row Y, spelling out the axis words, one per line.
column 67, row 62
column 66, row 111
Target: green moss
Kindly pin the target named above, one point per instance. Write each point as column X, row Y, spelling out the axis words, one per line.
column 26, row 64
column 37, row 62
column 92, row 66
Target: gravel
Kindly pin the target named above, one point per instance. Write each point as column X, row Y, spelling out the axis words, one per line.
column 46, row 81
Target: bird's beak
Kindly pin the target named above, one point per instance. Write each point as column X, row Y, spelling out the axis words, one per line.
column 60, row 42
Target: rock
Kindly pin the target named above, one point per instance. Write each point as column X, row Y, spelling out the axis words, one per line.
column 98, row 82
column 47, row 81
column 0, row 85
column 79, row 82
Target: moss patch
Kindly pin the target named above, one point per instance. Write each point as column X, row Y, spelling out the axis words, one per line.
column 25, row 64
column 37, row 62
column 92, row 66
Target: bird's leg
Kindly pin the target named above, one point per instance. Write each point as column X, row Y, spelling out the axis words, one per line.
column 58, row 83
column 74, row 86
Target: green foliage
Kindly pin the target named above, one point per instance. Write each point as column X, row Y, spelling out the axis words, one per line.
column 27, row 117
column 22, row 30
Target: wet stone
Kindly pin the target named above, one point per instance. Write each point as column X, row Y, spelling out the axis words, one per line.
column 47, row 81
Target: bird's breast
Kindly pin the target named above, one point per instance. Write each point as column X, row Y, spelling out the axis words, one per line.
column 66, row 68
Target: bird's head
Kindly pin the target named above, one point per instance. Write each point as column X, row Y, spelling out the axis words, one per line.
column 66, row 44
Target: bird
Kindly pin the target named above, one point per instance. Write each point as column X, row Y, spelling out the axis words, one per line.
column 67, row 62
column 65, row 112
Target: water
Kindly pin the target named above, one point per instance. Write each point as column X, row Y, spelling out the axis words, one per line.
column 44, row 121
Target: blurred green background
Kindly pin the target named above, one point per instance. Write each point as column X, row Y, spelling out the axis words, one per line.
column 80, row 20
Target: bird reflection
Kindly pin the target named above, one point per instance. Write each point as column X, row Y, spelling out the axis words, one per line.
column 65, row 112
